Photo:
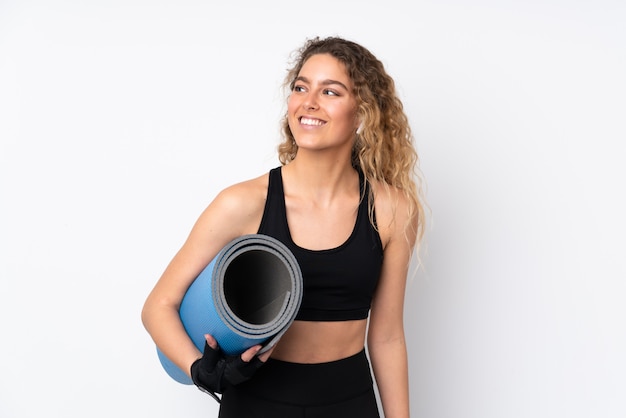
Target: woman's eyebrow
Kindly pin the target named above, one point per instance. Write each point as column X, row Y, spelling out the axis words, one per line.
column 324, row 82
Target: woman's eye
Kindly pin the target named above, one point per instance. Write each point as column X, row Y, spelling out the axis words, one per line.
column 330, row 93
column 298, row 89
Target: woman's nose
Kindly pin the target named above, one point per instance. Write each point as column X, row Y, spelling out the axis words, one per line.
column 310, row 103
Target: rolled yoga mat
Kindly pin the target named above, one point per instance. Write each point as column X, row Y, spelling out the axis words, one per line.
column 248, row 294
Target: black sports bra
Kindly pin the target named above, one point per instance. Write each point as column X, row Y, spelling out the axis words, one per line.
column 338, row 283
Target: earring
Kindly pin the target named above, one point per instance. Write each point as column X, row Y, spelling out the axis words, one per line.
column 359, row 129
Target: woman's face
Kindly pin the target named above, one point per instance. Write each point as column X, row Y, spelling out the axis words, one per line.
column 321, row 108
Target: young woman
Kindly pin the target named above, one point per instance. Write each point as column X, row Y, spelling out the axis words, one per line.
column 346, row 202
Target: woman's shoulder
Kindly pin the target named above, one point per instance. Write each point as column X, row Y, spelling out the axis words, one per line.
column 237, row 209
column 245, row 194
column 388, row 199
column 233, row 212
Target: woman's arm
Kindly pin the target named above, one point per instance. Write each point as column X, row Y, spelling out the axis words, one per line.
column 236, row 211
column 386, row 340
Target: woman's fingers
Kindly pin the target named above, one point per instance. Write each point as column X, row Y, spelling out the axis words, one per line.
column 263, row 357
column 250, row 353
column 246, row 355
column 211, row 341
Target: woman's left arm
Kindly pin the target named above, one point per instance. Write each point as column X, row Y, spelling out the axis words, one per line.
column 386, row 340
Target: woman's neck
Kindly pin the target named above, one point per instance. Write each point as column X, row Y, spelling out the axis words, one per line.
column 319, row 178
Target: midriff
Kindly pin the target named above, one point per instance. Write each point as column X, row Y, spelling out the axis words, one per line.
column 320, row 342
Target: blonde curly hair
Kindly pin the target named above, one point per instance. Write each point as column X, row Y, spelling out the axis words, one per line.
column 383, row 149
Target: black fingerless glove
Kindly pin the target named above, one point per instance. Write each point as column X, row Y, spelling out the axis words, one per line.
column 214, row 371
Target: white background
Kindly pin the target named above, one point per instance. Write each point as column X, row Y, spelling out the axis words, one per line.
column 120, row 120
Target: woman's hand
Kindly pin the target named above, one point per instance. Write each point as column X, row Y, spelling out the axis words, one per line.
column 215, row 371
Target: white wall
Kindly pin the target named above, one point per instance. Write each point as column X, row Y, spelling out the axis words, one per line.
column 120, row 120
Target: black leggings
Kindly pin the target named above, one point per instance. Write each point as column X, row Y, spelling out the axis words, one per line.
column 279, row 389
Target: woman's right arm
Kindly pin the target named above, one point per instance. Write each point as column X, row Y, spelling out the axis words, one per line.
column 236, row 211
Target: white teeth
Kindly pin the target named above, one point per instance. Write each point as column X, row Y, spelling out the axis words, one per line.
column 311, row 122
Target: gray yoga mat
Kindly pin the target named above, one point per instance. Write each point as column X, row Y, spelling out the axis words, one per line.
column 248, row 294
